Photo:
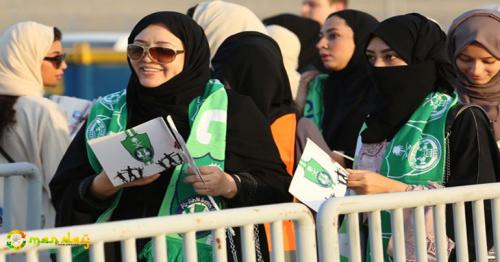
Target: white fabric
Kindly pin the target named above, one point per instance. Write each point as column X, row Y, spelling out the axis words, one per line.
column 40, row 134
column 221, row 19
column 289, row 44
column 22, row 49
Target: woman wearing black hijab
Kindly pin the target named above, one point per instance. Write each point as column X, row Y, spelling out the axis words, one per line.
column 251, row 64
column 339, row 102
column 169, row 57
column 307, row 31
column 409, row 143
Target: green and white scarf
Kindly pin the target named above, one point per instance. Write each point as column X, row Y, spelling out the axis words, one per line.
column 314, row 108
column 206, row 143
column 416, row 155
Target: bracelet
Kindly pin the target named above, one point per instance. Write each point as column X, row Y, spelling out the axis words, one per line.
column 237, row 181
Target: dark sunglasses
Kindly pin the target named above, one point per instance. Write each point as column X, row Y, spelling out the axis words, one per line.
column 56, row 60
column 160, row 54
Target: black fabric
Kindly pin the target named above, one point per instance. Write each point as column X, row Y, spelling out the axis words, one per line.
column 422, row 45
column 474, row 159
column 349, row 95
column 307, row 30
column 250, row 152
column 251, row 64
column 172, row 97
column 190, row 11
column 250, row 148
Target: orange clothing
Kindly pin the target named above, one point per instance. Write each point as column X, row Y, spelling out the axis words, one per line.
column 284, row 130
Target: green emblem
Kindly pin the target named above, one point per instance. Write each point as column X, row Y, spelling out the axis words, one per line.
column 138, row 146
column 208, row 160
column 315, row 173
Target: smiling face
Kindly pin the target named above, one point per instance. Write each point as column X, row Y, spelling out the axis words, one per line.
column 477, row 64
column 51, row 73
column 379, row 54
column 336, row 45
column 150, row 72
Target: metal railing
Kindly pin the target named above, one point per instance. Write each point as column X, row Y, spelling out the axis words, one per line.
column 352, row 206
column 34, row 205
column 187, row 224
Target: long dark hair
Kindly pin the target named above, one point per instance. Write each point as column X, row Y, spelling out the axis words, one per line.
column 7, row 111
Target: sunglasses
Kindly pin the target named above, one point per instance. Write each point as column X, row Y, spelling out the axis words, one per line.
column 56, row 60
column 160, row 54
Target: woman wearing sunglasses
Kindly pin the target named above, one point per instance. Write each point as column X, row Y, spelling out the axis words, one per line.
column 32, row 129
column 169, row 57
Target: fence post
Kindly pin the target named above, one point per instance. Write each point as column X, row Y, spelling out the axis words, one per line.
column 34, row 205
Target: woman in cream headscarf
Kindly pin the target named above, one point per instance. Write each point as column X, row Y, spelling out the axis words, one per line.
column 32, row 129
column 221, row 19
column 474, row 49
column 290, row 49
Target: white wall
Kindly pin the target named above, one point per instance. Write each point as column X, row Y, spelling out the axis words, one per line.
column 121, row 15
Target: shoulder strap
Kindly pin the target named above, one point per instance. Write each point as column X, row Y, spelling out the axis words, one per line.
column 453, row 114
column 455, row 111
column 7, row 156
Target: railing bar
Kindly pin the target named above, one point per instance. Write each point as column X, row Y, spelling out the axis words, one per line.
column 354, row 238
column 64, row 254
column 219, row 247
column 495, row 205
column 97, row 252
column 278, row 252
column 440, row 232
column 129, row 252
column 160, row 248
column 459, row 226
column 375, row 226
column 420, row 232
column 248, row 243
column 399, row 252
column 479, row 231
column 190, row 253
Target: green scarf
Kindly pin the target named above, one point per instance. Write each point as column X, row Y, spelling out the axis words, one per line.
column 206, row 143
column 314, row 109
column 416, row 155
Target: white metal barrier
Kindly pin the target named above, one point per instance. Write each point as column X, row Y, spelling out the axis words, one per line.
column 327, row 223
column 34, row 205
column 158, row 227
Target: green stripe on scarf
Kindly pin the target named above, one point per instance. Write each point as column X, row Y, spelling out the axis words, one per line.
column 314, row 108
column 206, row 142
column 416, row 155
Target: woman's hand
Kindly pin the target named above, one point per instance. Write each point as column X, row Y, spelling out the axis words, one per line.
column 102, row 188
column 366, row 182
column 301, row 97
column 217, row 182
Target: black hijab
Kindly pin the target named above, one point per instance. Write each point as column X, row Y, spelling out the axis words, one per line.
column 173, row 96
column 251, row 64
column 422, row 45
column 307, row 30
column 349, row 93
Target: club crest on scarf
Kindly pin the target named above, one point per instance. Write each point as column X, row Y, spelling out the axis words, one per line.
column 417, row 148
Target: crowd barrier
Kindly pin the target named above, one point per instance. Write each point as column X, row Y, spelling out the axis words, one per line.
column 187, row 224
column 34, row 200
column 371, row 205
column 326, row 226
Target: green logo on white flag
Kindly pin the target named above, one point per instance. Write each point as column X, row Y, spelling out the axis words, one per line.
column 138, row 146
